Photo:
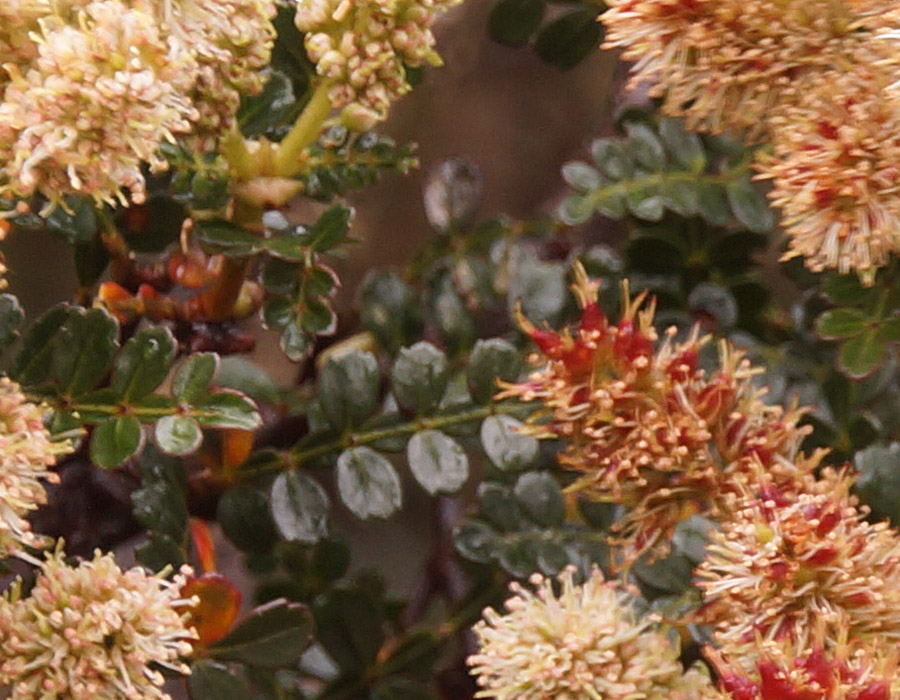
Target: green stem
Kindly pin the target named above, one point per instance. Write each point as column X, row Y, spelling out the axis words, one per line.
column 623, row 187
column 234, row 149
column 299, row 456
column 305, row 130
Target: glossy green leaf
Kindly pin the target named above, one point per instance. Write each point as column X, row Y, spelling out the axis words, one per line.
column 749, row 205
column 116, row 440
column 194, row 376
column 84, row 349
column 227, row 409
column 684, row 146
column 219, row 236
column 76, row 220
column 491, row 361
column 862, row 354
column 581, row 176
column 389, row 309
column 331, row 228
column 34, row 360
column 645, row 146
column 368, row 484
column 878, row 483
column 541, row 498
column 349, row 628
column 300, row 507
column 438, row 462
column 274, row 635
column 160, row 507
column 273, row 106
column 568, row 39
column 612, row 158
column 143, row 363
column 248, row 378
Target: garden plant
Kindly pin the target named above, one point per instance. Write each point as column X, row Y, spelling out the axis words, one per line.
column 651, row 432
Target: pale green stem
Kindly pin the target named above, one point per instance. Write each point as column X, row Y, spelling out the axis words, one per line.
column 305, row 130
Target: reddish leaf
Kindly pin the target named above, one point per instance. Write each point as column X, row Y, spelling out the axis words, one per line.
column 219, row 603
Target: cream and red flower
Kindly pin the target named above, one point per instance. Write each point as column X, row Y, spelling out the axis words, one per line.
column 786, row 563
column 645, row 425
column 782, row 670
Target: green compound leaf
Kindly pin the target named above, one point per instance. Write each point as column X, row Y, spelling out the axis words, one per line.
column 84, row 349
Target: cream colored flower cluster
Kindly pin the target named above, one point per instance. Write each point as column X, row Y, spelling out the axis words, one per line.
column 26, row 455
column 363, row 47
column 92, row 88
column 817, row 78
column 92, row 632
column 587, row 643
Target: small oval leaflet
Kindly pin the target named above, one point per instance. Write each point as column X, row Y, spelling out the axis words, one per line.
column 368, row 484
column 506, row 447
column 437, row 461
column 300, row 507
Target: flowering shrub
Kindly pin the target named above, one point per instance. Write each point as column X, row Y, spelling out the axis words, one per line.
column 687, row 471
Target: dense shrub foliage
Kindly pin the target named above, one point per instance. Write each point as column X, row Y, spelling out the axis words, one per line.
column 682, row 458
